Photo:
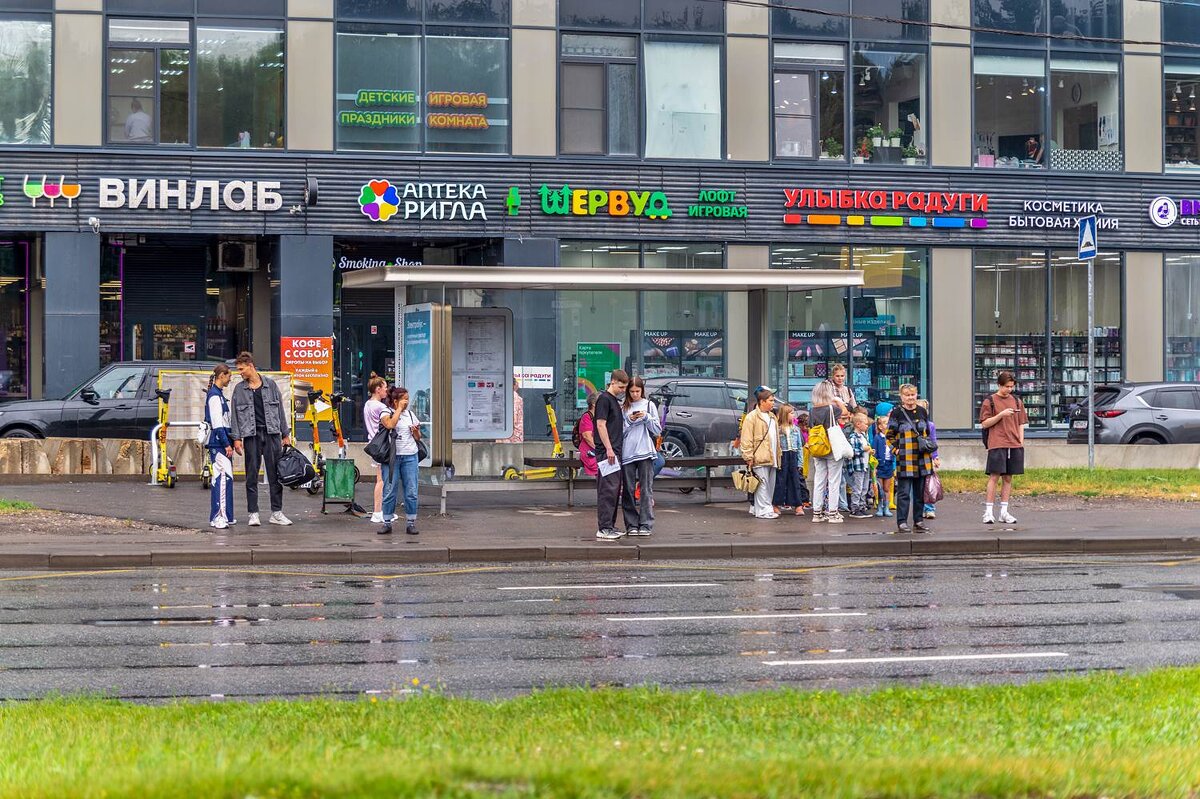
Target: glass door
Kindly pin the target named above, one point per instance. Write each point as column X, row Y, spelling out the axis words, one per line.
column 163, row 341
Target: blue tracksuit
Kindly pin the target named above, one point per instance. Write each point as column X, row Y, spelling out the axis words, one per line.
column 216, row 415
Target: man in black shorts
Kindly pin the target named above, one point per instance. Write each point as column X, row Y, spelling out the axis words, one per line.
column 1003, row 418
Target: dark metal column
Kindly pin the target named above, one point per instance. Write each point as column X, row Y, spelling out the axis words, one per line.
column 72, row 310
column 305, row 287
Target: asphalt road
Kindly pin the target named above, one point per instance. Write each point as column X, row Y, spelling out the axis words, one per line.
column 501, row 630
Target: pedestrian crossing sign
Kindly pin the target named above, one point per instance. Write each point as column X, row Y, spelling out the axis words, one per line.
column 1087, row 238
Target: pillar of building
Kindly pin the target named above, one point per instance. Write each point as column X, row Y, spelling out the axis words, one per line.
column 72, row 310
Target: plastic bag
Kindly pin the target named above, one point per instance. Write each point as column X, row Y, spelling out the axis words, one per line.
column 933, row 489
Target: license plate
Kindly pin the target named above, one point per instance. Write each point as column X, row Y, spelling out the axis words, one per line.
column 1079, row 424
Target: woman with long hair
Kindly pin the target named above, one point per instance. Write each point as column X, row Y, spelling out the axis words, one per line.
column 373, row 410
column 402, row 470
column 642, row 426
column 788, row 483
column 220, row 448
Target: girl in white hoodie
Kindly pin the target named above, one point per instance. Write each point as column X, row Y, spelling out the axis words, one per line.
column 642, row 426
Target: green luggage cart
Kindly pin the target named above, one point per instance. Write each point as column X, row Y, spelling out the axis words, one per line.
column 341, row 478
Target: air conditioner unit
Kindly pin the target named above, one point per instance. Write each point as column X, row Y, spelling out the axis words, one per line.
column 238, row 256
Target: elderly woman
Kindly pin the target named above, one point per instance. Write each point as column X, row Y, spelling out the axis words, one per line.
column 908, row 433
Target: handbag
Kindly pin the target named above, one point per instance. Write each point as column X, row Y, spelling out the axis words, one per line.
column 422, row 450
column 293, row 469
column 840, row 444
column 745, row 480
column 925, row 444
column 379, row 448
column 934, row 492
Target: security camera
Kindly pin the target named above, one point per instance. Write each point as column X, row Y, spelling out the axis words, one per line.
column 94, row 223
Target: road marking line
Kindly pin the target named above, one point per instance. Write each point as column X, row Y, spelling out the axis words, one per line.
column 344, row 575
column 66, row 574
column 750, row 617
column 755, row 569
column 917, row 659
column 612, row 585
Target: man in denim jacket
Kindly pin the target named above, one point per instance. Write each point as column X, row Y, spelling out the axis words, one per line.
column 260, row 431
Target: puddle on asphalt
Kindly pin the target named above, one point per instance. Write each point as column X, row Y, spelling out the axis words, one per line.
column 228, row 621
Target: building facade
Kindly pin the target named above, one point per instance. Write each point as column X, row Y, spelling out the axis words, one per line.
column 190, row 178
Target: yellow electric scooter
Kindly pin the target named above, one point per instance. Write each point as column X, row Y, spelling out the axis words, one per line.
column 165, row 474
column 543, row 472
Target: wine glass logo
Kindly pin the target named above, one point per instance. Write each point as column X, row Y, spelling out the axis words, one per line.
column 70, row 191
column 52, row 190
column 34, row 190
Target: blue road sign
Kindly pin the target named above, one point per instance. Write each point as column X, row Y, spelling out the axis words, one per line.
column 1087, row 238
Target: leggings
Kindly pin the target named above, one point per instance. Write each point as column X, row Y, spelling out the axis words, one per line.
column 221, row 497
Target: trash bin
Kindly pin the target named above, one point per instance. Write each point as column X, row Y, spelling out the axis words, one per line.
column 341, row 476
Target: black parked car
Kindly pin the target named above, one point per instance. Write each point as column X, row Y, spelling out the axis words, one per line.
column 704, row 410
column 118, row 402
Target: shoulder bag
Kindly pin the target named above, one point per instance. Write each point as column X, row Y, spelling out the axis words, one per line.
column 819, row 445
column 925, row 444
column 379, row 448
column 422, row 450
column 744, row 479
column 986, row 431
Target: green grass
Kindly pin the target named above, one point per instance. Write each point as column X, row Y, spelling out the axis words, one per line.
column 1181, row 485
column 14, row 506
column 1103, row 735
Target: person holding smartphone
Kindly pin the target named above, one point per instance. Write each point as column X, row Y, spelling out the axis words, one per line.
column 402, row 470
column 642, row 426
column 1003, row 418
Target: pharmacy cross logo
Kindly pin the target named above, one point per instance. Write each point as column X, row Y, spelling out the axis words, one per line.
column 1163, row 211
column 379, row 200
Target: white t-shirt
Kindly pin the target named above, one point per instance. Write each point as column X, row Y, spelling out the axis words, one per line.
column 373, row 411
column 405, row 443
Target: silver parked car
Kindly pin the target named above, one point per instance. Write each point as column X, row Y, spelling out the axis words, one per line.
column 1141, row 413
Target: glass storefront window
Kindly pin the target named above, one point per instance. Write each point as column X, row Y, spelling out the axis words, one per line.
column 683, row 99
column 379, row 60
column 1018, row 16
column 239, row 87
column 1181, row 133
column 685, row 15
column 14, row 320
column 468, row 64
column 889, row 99
column 1010, row 110
column 1181, row 26
column 809, row 99
column 487, row 12
column 683, row 332
column 1182, row 315
column 1069, row 329
column 25, row 76
column 1090, row 18
column 1085, row 114
column 395, row 10
column 871, row 15
column 112, row 268
column 795, row 18
column 877, row 332
column 1031, row 319
column 600, row 13
column 599, row 112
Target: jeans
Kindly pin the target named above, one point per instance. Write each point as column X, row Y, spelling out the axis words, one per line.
column 765, row 491
column 860, row 485
column 608, row 496
column 263, row 449
column 634, row 473
column 402, row 471
column 221, row 497
column 910, row 494
column 827, row 484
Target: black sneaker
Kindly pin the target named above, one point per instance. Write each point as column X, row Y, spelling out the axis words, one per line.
column 411, row 529
column 903, row 528
column 920, row 527
column 385, row 530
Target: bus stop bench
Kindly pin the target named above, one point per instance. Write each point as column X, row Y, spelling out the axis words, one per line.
column 708, row 463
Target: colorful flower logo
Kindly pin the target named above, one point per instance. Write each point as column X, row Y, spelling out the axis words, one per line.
column 379, row 200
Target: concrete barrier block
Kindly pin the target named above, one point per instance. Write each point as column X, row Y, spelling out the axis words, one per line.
column 69, row 457
column 33, row 457
column 93, row 457
column 10, row 456
column 125, row 456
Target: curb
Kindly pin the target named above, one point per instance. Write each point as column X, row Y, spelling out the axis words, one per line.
column 280, row 556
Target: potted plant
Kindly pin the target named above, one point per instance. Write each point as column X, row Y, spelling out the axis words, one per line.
column 911, row 154
column 895, row 136
column 875, row 132
column 832, row 149
column 863, row 153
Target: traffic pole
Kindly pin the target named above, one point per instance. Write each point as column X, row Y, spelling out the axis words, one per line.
column 1091, row 362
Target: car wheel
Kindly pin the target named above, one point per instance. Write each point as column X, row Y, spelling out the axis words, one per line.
column 674, row 447
column 1147, row 439
column 20, row 432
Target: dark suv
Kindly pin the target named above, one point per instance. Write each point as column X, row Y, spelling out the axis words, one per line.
column 1141, row 413
column 702, row 411
column 118, row 402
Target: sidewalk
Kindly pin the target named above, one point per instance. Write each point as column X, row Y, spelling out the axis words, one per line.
column 131, row 524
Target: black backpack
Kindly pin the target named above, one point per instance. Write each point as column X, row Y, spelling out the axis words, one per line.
column 983, row 433
column 293, row 468
column 576, row 433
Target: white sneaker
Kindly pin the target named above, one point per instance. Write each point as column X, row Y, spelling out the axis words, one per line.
column 610, row 534
column 835, row 518
column 278, row 518
column 770, row 515
column 988, row 518
column 220, row 524
column 253, row 521
column 1007, row 518
column 376, row 518
column 819, row 516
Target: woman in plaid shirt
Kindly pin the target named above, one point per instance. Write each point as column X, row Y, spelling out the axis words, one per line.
column 906, row 424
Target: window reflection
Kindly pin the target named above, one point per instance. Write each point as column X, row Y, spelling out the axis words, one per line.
column 25, row 109
column 240, row 87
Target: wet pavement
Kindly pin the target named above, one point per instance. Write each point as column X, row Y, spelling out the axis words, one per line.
column 499, row 630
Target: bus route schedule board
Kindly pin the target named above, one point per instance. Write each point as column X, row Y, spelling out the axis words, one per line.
column 481, row 373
